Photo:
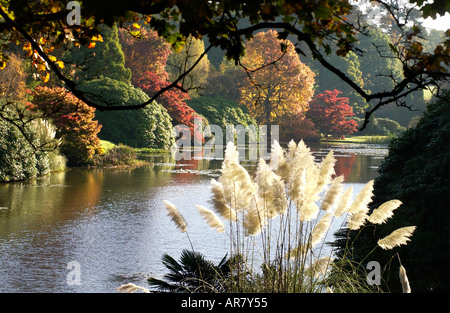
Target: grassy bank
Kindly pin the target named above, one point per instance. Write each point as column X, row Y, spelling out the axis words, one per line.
column 123, row 156
column 362, row 139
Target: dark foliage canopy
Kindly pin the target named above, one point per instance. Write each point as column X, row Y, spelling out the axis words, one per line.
column 417, row 172
column 319, row 26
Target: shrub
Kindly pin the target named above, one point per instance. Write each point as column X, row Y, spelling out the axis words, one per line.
column 381, row 127
column 297, row 127
column 416, row 172
column 18, row 158
column 194, row 273
column 119, row 155
column 150, row 127
column 276, row 226
column 74, row 123
column 222, row 112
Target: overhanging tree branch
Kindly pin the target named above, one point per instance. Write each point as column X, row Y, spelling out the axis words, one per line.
column 414, row 79
column 418, row 78
column 72, row 86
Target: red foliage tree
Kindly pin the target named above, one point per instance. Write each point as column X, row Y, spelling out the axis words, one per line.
column 146, row 54
column 73, row 120
column 330, row 114
column 147, row 59
column 297, row 127
column 172, row 100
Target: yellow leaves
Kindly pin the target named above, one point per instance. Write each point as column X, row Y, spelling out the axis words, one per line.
column 28, row 50
column 60, row 64
column 91, row 45
column 136, row 32
column 56, row 61
column 10, row 14
column 46, row 77
column 40, row 67
column 90, row 22
column 42, row 41
column 97, row 38
column 55, row 7
column 2, row 65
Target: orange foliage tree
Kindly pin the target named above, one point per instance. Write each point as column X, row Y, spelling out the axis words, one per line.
column 278, row 82
column 73, row 120
column 146, row 57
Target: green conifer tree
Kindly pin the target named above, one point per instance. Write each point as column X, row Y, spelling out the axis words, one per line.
column 102, row 73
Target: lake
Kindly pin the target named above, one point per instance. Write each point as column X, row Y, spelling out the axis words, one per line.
column 112, row 224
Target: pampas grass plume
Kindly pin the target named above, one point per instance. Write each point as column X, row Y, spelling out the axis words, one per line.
column 320, row 229
column 326, row 170
column 277, row 159
column 319, row 267
column 130, row 288
column 344, row 202
column 404, row 280
column 308, row 211
column 211, row 218
column 332, row 193
column 363, row 198
column 255, row 218
column 358, row 210
column 219, row 202
column 384, row 211
column 175, row 215
column 357, row 220
column 396, row 238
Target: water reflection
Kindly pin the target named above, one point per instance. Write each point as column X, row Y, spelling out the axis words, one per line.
column 112, row 222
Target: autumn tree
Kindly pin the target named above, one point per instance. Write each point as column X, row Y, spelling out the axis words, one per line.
column 26, row 139
column 178, row 63
column 350, row 65
column 298, row 127
column 148, row 53
column 172, row 100
column 331, row 113
column 227, row 81
column 74, row 121
column 104, row 78
column 43, row 27
column 147, row 58
column 278, row 82
column 13, row 79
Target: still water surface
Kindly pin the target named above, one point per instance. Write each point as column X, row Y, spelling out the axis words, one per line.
column 113, row 223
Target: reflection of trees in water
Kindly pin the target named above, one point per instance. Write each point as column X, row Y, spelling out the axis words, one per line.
column 345, row 166
column 54, row 198
column 357, row 168
column 188, row 169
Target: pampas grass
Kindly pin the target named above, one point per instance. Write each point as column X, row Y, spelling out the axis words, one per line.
column 211, row 218
column 274, row 220
column 175, row 216
column 384, row 211
column 404, row 280
column 359, row 208
column 344, row 202
column 397, row 238
column 131, row 288
column 320, row 229
column 220, row 204
column 319, row 267
column 332, row 195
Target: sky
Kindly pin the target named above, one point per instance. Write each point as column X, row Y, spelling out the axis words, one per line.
column 441, row 23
